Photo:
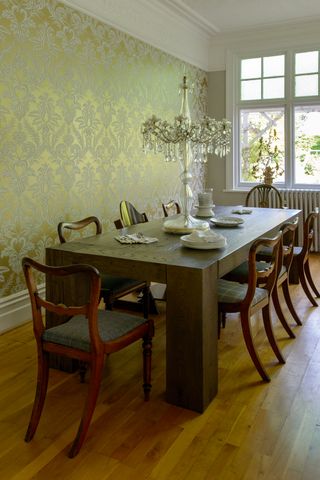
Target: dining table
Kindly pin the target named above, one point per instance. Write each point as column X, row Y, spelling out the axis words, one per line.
column 191, row 276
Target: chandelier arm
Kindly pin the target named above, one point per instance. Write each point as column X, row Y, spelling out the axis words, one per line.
column 167, row 138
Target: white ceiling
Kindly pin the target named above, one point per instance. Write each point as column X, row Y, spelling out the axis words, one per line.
column 224, row 16
column 201, row 31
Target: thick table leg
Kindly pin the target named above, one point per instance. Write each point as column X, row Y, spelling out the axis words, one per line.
column 192, row 316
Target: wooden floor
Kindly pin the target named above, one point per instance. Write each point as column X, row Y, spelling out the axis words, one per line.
column 250, row 431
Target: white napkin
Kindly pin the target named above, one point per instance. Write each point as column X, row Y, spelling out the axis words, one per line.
column 135, row 238
column 206, row 236
column 242, row 211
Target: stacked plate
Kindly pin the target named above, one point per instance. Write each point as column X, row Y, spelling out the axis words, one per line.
column 227, row 221
column 203, row 240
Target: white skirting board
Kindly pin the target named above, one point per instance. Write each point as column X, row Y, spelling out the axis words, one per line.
column 16, row 310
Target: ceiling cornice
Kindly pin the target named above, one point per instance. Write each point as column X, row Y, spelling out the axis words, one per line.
column 155, row 22
column 184, row 11
column 176, row 29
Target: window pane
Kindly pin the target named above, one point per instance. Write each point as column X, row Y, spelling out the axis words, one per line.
column 307, row 62
column 261, row 144
column 273, row 66
column 306, row 85
column 251, row 90
column 307, row 144
column 251, row 68
column 273, row 88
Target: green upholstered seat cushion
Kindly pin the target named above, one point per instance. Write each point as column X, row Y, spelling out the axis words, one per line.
column 240, row 273
column 75, row 332
column 264, row 252
column 234, row 292
column 116, row 285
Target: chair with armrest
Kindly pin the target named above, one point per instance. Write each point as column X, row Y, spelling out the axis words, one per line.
column 112, row 287
column 247, row 298
column 171, row 208
column 86, row 334
column 260, row 196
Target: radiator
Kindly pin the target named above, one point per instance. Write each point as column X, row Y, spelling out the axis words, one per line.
column 307, row 201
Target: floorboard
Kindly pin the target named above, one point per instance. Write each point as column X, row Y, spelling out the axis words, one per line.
column 250, row 431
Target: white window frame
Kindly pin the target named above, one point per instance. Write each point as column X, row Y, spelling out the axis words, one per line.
column 234, row 104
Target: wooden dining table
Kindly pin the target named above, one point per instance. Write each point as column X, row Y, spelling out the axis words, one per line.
column 191, row 278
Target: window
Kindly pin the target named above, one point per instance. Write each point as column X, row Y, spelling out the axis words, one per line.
column 262, row 78
column 307, row 144
column 276, row 119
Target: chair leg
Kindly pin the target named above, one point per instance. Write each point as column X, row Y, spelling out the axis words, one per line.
column 309, row 278
column 147, row 298
column 147, row 355
column 279, row 312
column 108, row 304
column 42, row 386
column 269, row 331
column 287, row 297
column 83, row 367
column 93, row 391
column 303, row 281
column 247, row 335
column 221, row 321
column 152, row 304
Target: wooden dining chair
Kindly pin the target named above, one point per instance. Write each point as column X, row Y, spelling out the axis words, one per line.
column 112, row 287
column 240, row 273
column 171, row 208
column 301, row 259
column 130, row 216
column 247, row 299
column 86, row 334
column 285, row 261
column 260, row 196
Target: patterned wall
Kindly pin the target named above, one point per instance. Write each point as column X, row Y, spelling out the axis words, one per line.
column 73, row 94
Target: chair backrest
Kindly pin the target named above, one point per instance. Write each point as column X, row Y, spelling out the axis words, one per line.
column 308, row 233
column 260, row 196
column 88, row 274
column 129, row 215
column 118, row 224
column 78, row 225
column 268, row 276
column 289, row 231
column 171, row 208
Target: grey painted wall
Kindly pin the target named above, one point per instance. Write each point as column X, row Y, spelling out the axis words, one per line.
column 216, row 178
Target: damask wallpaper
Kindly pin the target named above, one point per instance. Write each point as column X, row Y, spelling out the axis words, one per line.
column 73, row 95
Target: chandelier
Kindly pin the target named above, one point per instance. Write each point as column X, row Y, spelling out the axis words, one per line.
column 188, row 142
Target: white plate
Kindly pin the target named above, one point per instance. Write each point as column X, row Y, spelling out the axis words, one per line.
column 227, row 221
column 202, row 245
